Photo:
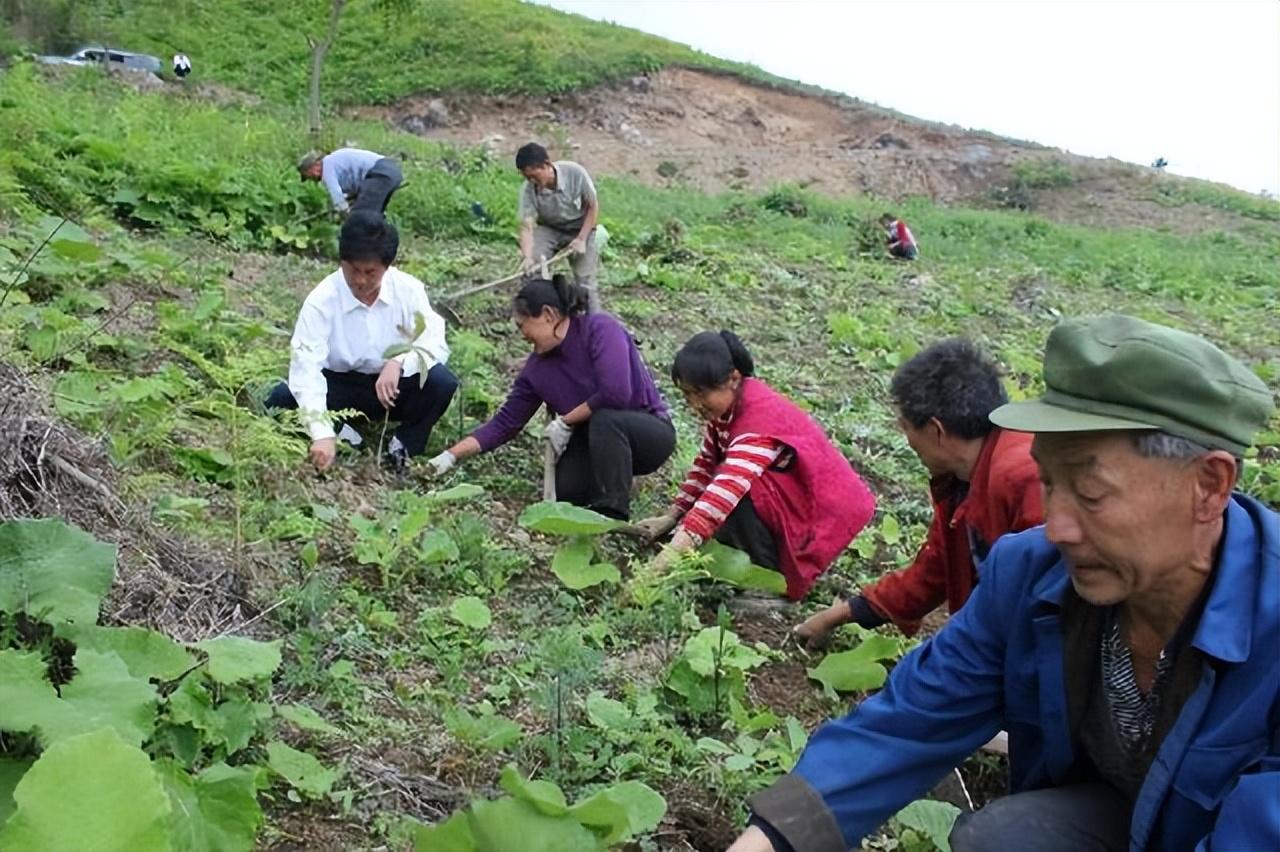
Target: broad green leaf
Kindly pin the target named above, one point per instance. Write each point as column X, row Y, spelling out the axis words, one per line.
column 452, row 835
column 572, row 564
column 306, row 718
column 93, row 791
column 713, row 746
column 890, row 530
column 396, row 349
column 238, row 720
column 11, row 772
column 643, row 806
column 437, row 548
column 103, row 694
column 489, row 732
column 81, row 252
column 797, row 736
column 565, row 519
column 53, row 571
column 216, row 811
column 147, row 654
column 739, row 762
column 714, row 643
column 234, row 658
column 604, row 712
column 301, row 770
column 735, row 567
column 470, row 611
column 27, row 699
column 608, row 819
column 543, row 795
column 511, row 824
column 856, row 670
column 931, row 818
column 456, row 494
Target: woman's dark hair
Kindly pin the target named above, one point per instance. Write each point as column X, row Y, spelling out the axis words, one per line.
column 367, row 235
column 531, row 154
column 952, row 380
column 708, row 358
column 557, row 292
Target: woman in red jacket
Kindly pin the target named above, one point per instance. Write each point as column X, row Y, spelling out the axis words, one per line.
column 768, row 481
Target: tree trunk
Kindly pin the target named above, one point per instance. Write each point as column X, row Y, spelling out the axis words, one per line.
column 319, row 50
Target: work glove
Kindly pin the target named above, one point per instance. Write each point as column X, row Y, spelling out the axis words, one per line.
column 442, row 463
column 558, row 434
column 658, row 526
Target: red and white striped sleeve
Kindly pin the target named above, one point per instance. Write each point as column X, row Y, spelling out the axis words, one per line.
column 745, row 461
column 699, row 476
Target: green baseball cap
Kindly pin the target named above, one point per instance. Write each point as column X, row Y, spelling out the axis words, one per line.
column 1119, row 372
column 308, row 160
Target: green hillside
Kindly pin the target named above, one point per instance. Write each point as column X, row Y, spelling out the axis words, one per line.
column 424, row 641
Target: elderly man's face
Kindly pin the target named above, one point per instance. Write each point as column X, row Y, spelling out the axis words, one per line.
column 1123, row 522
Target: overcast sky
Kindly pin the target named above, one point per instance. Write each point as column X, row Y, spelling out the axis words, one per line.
column 1194, row 81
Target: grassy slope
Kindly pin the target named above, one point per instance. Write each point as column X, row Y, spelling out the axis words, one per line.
column 438, row 45
column 826, row 322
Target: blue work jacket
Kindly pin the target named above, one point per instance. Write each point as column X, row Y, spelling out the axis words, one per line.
column 1214, row 784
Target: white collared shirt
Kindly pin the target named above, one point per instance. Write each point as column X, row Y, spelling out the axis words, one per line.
column 336, row 331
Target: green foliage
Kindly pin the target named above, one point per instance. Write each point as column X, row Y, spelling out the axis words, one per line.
column 732, row 566
column 53, row 571
column 90, row 791
column 565, row 519
column 233, row 659
column 574, row 563
column 537, row 817
column 303, row 772
column 471, row 612
column 146, row 654
column 711, row 670
column 930, row 821
column 1177, row 192
column 858, row 670
column 485, row 730
column 1043, row 174
column 215, row 811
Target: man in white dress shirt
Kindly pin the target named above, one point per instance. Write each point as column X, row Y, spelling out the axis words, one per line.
column 346, row 324
column 367, row 177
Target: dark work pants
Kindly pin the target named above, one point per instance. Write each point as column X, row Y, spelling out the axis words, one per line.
column 605, row 452
column 416, row 409
column 744, row 530
column 1076, row 818
column 382, row 179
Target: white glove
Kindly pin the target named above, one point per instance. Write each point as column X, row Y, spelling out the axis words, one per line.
column 442, row 463
column 558, row 434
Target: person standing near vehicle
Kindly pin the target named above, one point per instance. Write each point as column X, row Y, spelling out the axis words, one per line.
column 181, row 66
column 611, row 422
column 982, row 479
column 353, row 173
column 768, row 480
column 558, row 207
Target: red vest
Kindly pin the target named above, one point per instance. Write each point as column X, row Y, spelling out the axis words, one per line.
column 817, row 504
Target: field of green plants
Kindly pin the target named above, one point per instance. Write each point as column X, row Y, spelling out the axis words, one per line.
column 355, row 660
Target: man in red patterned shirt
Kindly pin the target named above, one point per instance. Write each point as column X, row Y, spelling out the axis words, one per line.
column 902, row 243
column 983, row 482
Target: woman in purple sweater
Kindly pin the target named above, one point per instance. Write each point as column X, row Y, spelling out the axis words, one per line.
column 611, row 423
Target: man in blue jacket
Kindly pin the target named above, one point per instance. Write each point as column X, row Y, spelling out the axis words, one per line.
column 1129, row 646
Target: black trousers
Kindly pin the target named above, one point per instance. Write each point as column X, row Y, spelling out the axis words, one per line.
column 1076, row 818
column 417, row 409
column 380, row 182
column 744, row 530
column 605, row 452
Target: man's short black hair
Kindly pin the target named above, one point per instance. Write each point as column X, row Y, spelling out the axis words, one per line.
column 954, row 381
column 531, row 154
column 367, row 235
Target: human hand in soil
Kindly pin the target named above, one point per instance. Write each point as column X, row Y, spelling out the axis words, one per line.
column 578, row 246
column 752, row 840
column 388, row 385
column 442, row 464
column 323, row 452
column 815, row 631
column 657, row 526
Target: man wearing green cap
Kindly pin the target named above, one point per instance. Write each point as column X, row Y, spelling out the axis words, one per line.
column 1129, row 646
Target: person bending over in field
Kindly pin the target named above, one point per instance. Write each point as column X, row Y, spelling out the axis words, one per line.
column 371, row 179
column 345, row 325
column 901, row 242
column 611, row 422
column 982, row 480
column 768, row 480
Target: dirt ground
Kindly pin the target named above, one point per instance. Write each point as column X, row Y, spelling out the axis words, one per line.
column 712, row 132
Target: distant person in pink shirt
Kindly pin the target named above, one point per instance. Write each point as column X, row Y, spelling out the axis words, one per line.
column 902, row 244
